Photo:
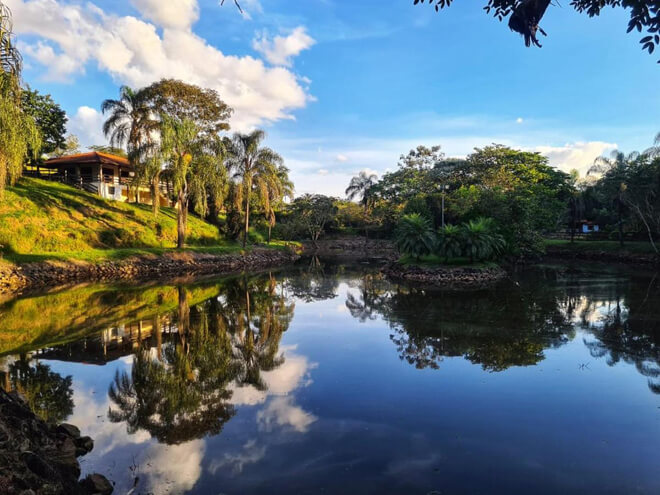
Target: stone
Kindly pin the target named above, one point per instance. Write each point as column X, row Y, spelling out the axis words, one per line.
column 97, row 484
column 84, row 445
column 69, row 430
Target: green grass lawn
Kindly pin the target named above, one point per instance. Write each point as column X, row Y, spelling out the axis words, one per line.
column 42, row 220
column 433, row 260
column 609, row 246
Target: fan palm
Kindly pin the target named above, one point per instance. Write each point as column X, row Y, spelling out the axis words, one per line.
column 361, row 186
column 254, row 166
column 414, row 235
column 481, row 240
column 450, row 241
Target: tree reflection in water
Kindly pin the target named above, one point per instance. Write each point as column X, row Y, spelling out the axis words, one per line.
column 513, row 325
column 48, row 394
column 185, row 393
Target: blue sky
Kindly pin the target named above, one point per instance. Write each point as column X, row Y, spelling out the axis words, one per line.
column 342, row 86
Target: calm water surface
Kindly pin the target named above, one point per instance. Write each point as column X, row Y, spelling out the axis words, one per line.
column 328, row 379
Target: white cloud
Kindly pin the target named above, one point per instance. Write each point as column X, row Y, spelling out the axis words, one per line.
column 87, row 124
column 579, row 156
column 341, row 158
column 323, row 171
column 180, row 14
column 177, row 467
column 133, row 52
column 251, row 453
column 281, row 411
column 519, row 120
column 281, row 49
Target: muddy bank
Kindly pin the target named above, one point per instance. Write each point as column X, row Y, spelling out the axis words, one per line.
column 55, row 273
column 451, row 278
column 627, row 257
column 353, row 247
column 37, row 458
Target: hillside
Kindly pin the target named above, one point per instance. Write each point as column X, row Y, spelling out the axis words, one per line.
column 42, row 220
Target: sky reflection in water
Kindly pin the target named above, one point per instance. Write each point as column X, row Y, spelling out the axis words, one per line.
column 345, row 383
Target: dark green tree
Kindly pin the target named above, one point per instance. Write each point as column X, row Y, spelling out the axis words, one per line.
column 50, row 118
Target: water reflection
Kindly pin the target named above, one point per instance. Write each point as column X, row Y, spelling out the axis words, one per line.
column 203, row 382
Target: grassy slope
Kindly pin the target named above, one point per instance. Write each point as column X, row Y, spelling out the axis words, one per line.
column 608, row 246
column 41, row 220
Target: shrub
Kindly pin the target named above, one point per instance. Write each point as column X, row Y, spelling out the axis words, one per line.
column 414, row 235
column 481, row 241
column 450, row 241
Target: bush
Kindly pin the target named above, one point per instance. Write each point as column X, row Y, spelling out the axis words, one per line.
column 414, row 235
column 450, row 242
column 481, row 241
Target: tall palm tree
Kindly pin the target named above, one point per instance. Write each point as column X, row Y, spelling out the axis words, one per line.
column 131, row 123
column 255, row 166
column 361, row 186
column 276, row 188
column 179, row 141
column 614, row 172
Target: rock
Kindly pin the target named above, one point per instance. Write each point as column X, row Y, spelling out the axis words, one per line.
column 97, row 484
column 84, row 445
column 69, row 430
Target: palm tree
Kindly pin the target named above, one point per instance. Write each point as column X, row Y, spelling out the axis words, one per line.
column 130, row 123
column 414, row 235
column 276, row 188
column 179, row 141
column 450, row 242
column 613, row 171
column 481, row 240
column 361, row 186
column 254, row 166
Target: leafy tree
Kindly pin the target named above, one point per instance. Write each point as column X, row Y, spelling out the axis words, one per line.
column 314, row 212
column 526, row 15
column 19, row 134
column 71, row 146
column 362, row 186
column 184, row 101
column 49, row 117
column 256, row 167
column 450, row 241
column 414, row 236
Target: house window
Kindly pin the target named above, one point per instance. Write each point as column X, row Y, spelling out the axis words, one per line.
column 111, row 190
column 108, row 174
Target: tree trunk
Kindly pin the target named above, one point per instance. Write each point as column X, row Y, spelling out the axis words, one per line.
column 181, row 220
column 247, row 213
column 620, row 208
column 155, row 194
column 270, row 228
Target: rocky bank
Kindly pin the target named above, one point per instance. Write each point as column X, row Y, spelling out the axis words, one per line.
column 37, row 458
column 451, row 278
column 16, row 278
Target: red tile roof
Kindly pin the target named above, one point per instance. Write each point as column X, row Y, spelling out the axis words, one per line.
column 88, row 158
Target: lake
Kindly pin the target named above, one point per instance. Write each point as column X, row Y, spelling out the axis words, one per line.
column 327, row 378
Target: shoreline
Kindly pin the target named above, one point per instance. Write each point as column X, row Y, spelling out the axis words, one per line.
column 445, row 277
column 16, row 279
